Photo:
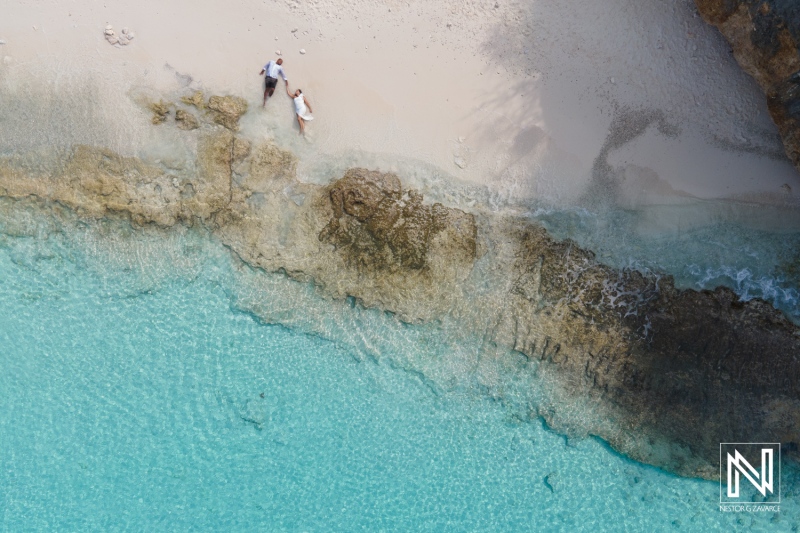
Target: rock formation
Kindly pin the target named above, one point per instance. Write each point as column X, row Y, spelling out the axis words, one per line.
column 765, row 36
column 669, row 374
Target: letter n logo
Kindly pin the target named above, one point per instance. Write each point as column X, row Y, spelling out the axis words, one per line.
column 754, row 462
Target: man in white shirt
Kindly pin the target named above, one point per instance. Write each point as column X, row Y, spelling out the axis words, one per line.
column 272, row 69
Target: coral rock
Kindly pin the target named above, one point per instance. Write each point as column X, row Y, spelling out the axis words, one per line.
column 226, row 110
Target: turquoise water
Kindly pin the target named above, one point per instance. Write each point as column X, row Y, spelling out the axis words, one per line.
column 138, row 396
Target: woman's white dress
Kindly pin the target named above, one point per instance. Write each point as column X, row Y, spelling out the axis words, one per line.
column 301, row 109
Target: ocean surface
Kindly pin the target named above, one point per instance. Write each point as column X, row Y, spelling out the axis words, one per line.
column 140, row 392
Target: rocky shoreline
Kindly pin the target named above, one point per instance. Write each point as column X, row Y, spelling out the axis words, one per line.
column 670, row 373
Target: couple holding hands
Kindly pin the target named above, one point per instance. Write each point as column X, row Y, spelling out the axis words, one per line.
column 302, row 108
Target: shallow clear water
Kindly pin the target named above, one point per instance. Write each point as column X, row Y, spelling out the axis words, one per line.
column 137, row 396
column 751, row 249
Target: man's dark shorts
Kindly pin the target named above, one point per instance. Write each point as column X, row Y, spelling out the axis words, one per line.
column 270, row 83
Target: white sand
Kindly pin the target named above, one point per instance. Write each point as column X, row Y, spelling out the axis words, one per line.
column 521, row 94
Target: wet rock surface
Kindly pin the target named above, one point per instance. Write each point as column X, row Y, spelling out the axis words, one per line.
column 378, row 225
column 765, row 37
column 680, row 370
column 666, row 374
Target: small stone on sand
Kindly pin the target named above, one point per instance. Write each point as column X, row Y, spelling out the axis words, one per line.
column 2, row 41
column 131, row 35
column 277, row 52
column 294, row 30
column 460, row 163
column 109, row 27
column 35, row 28
column 461, row 139
column 123, row 40
column 124, row 31
column 302, row 50
column 109, row 32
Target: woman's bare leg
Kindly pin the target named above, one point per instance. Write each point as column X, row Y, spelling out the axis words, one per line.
column 302, row 124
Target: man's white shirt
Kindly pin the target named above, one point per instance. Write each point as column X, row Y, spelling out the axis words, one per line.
column 273, row 70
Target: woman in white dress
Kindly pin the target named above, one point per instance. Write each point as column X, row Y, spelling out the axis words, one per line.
column 301, row 107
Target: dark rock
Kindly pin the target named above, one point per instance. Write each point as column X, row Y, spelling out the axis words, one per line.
column 377, row 225
column 765, row 36
column 679, row 370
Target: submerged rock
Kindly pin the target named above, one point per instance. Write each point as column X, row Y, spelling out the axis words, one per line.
column 186, row 120
column 376, row 225
column 679, row 371
column 765, row 36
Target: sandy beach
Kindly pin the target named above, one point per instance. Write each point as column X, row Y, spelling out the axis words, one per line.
column 519, row 97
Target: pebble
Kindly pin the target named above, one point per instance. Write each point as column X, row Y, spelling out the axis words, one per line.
column 131, row 35
column 35, row 28
column 124, row 31
column 277, row 52
column 109, row 27
column 302, row 50
column 109, row 32
column 294, row 30
column 460, row 163
column 2, row 41
column 123, row 40
column 461, row 139
column 112, row 39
